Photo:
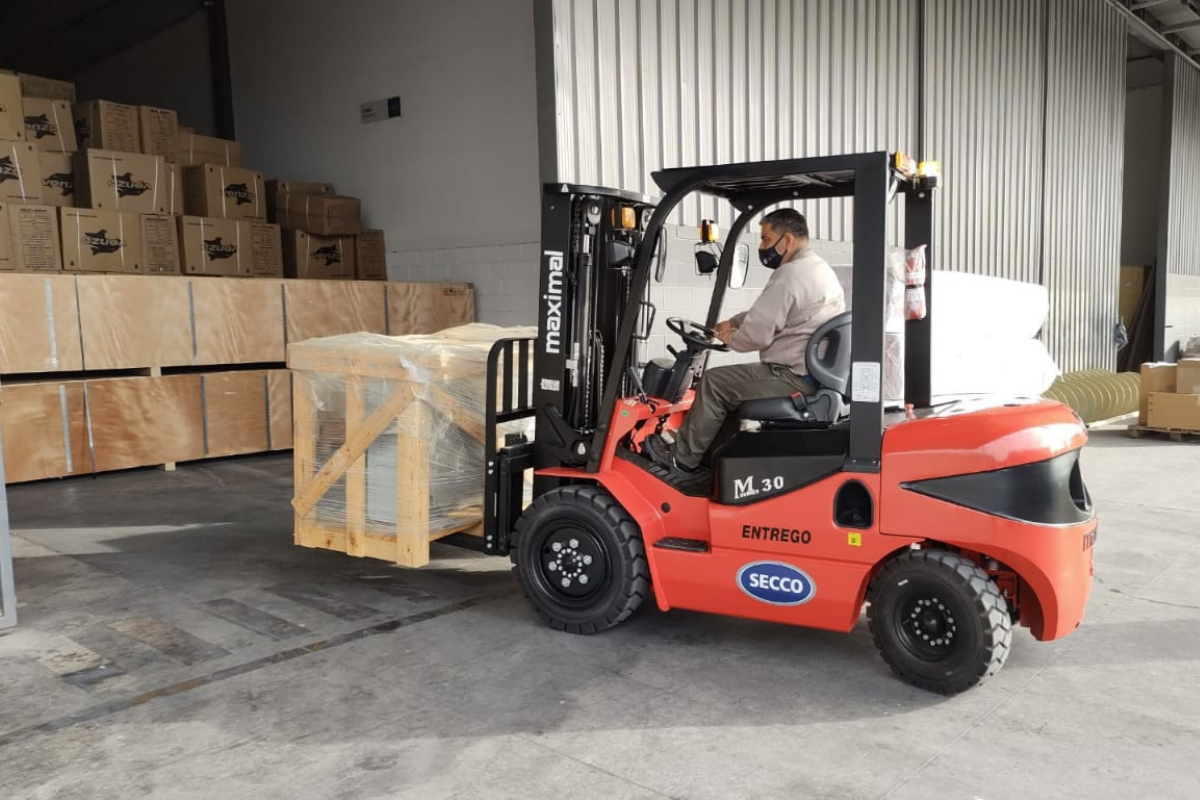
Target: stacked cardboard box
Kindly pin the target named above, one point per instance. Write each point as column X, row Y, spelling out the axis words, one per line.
column 323, row 233
column 1170, row 396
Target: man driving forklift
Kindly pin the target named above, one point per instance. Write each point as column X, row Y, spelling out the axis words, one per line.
column 802, row 293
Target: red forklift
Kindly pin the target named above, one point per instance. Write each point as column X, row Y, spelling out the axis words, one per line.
column 950, row 522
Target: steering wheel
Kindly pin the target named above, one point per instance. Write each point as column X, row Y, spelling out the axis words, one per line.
column 695, row 334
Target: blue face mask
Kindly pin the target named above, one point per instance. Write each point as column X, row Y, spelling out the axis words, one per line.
column 770, row 257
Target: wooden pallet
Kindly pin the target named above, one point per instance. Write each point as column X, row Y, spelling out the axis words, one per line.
column 1174, row 434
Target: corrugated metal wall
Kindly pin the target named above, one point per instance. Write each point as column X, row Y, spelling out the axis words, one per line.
column 646, row 84
column 1085, row 153
column 984, row 111
column 1183, row 248
column 1023, row 105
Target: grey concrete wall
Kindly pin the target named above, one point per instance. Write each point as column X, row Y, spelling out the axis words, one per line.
column 453, row 182
column 1183, row 311
column 170, row 70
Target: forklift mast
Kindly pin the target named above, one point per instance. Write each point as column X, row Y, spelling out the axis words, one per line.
column 590, row 240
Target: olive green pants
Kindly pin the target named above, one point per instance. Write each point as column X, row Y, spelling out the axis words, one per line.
column 721, row 391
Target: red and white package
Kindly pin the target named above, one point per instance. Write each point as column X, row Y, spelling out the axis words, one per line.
column 914, row 266
column 914, row 302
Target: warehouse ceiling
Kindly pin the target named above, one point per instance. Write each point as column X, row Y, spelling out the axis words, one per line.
column 1177, row 21
column 58, row 38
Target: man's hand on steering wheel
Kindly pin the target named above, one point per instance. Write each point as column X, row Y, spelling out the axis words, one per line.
column 697, row 335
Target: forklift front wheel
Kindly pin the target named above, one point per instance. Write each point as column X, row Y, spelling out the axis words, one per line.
column 939, row 620
column 580, row 559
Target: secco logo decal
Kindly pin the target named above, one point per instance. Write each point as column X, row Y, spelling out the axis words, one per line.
column 776, row 583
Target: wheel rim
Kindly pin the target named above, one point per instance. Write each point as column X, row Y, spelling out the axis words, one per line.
column 928, row 625
column 572, row 567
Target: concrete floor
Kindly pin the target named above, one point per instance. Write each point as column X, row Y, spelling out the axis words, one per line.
column 174, row 644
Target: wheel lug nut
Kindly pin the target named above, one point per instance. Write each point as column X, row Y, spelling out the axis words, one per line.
column 583, row 579
column 587, row 559
column 566, row 582
column 574, row 543
column 552, row 566
column 556, row 547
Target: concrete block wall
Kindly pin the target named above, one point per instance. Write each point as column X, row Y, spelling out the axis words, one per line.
column 1183, row 311
column 505, row 276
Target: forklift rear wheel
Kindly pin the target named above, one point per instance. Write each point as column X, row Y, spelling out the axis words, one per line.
column 580, row 560
column 939, row 621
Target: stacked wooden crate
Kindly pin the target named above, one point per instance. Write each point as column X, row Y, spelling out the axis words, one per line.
column 108, row 372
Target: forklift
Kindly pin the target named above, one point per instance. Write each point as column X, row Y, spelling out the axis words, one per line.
column 949, row 521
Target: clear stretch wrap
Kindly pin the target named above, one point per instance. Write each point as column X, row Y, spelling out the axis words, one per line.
column 417, row 404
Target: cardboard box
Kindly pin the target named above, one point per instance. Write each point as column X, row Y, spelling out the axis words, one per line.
column 1187, row 376
column 173, row 190
column 49, row 125
column 12, row 115
column 160, row 244
column 370, row 256
column 213, row 246
column 101, row 241
column 34, row 231
column 322, row 214
column 186, row 130
column 37, row 86
column 20, row 172
column 306, row 255
column 58, row 179
column 105, row 125
column 131, row 182
column 210, row 190
column 196, row 149
column 276, row 189
column 1174, row 411
column 266, row 249
column 1155, row 378
column 158, row 128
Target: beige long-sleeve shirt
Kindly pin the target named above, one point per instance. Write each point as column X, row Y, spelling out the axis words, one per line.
column 800, row 296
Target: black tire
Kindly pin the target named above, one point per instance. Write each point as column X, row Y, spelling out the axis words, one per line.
column 562, row 530
column 939, row 621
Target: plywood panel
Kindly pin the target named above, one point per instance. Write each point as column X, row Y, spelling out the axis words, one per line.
column 329, row 308
column 238, row 320
column 44, row 430
column 134, row 321
column 39, row 325
column 429, row 307
column 236, row 412
column 280, row 381
column 142, row 421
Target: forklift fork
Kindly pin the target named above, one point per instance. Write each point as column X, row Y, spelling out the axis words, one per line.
column 509, row 397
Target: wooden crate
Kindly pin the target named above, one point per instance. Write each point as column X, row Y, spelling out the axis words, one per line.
column 428, row 307
column 364, row 393
column 134, row 321
column 237, row 320
column 327, row 308
column 39, row 324
column 44, row 430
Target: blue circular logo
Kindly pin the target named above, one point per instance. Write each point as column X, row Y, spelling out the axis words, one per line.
column 776, row 583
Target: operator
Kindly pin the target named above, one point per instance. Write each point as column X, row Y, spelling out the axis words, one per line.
column 802, row 294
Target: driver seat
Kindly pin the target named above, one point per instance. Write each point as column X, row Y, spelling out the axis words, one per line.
column 829, row 367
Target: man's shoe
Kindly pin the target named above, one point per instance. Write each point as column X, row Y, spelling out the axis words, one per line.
column 658, row 450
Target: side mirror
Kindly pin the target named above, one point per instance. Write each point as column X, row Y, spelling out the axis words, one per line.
column 659, row 259
column 740, row 267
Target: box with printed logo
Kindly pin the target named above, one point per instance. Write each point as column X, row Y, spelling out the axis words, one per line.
column 29, row 238
column 211, row 190
column 158, row 129
column 214, row 246
column 115, row 181
column 370, row 256
column 48, row 124
column 100, row 241
column 105, row 125
column 49, row 88
column 322, row 214
column 20, row 172
column 12, row 115
column 195, row 149
column 307, row 255
column 160, row 244
column 58, row 179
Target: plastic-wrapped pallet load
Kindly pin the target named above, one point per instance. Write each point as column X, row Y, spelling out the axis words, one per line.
column 389, row 438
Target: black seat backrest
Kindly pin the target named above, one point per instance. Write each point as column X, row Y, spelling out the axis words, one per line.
column 830, row 366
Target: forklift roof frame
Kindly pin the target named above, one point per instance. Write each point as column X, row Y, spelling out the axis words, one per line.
column 871, row 179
